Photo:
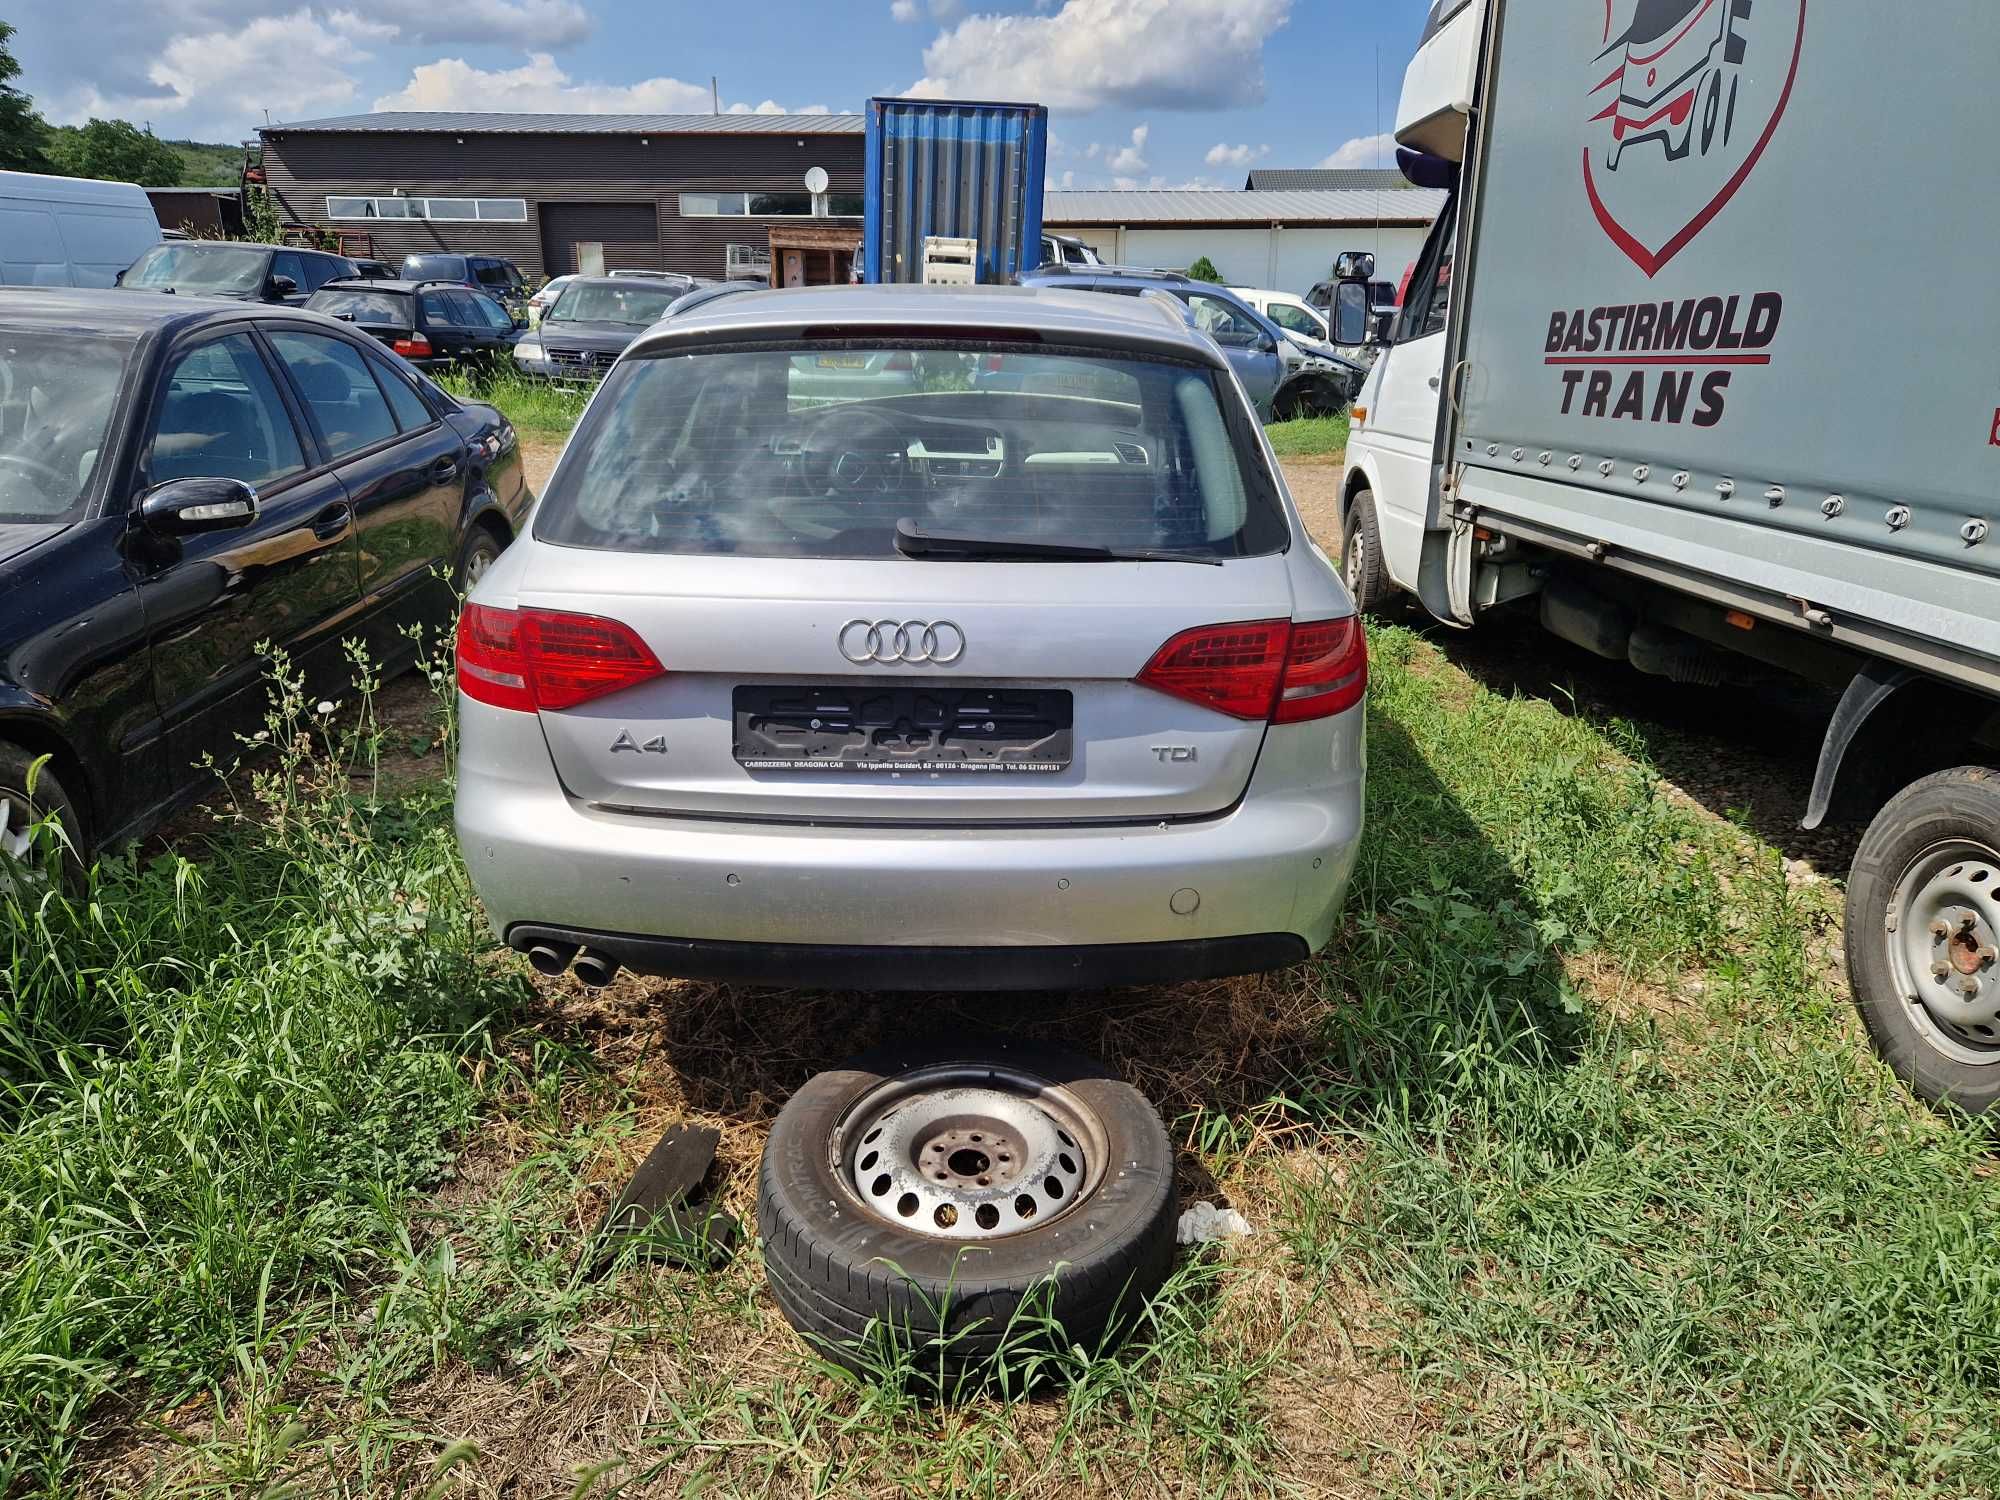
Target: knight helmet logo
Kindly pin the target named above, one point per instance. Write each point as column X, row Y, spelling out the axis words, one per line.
column 1688, row 95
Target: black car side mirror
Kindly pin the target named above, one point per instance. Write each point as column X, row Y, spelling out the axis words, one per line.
column 186, row 507
column 1352, row 320
column 283, row 286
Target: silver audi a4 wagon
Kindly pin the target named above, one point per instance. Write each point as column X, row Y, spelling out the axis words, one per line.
column 914, row 638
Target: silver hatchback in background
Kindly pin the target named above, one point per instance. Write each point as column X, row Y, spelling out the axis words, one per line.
column 914, row 638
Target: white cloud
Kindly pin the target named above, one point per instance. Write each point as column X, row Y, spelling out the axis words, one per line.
column 539, row 84
column 1090, row 54
column 911, row 10
column 196, row 74
column 1224, row 155
column 1365, row 151
column 904, row 10
column 1130, row 158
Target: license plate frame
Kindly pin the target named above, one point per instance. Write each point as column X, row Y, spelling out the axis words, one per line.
column 888, row 728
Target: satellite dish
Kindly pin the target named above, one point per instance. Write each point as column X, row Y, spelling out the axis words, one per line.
column 816, row 179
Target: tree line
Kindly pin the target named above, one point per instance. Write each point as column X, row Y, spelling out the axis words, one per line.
column 113, row 149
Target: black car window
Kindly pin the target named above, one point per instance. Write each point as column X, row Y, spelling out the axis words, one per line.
column 221, row 417
column 465, row 310
column 319, row 269
column 340, row 393
column 411, row 413
column 371, row 309
column 496, row 317
column 285, row 263
column 438, row 311
column 56, row 400
column 434, row 267
column 493, row 273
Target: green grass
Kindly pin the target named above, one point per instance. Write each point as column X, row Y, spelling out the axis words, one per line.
column 538, row 407
column 1573, row 1175
column 1309, row 437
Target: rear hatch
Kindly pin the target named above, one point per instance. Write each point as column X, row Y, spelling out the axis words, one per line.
column 1036, row 716
column 385, row 316
column 905, row 588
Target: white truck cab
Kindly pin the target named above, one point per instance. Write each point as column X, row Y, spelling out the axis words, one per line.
column 1391, row 478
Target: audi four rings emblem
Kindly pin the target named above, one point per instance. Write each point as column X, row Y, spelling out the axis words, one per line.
column 939, row 642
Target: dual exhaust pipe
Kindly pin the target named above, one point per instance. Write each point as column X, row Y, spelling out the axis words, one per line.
column 593, row 968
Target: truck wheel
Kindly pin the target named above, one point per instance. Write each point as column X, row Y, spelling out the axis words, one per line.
column 1923, row 937
column 965, row 1202
column 21, row 810
column 1361, row 563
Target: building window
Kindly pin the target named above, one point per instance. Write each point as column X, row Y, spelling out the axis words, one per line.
column 770, row 205
column 444, row 210
column 747, row 260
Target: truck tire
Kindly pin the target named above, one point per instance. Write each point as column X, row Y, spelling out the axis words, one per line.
column 22, row 810
column 968, row 1203
column 1361, row 563
column 1923, row 924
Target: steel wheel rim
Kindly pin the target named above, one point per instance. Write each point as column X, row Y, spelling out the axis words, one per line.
column 967, row 1152
column 17, row 839
column 476, row 565
column 1357, row 555
column 1943, row 939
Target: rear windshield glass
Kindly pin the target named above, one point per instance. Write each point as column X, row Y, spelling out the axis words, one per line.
column 434, row 268
column 200, row 268
column 595, row 302
column 56, row 396
column 376, row 309
column 821, row 452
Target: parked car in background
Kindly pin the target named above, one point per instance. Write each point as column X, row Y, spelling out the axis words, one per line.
column 592, row 323
column 431, row 324
column 711, row 669
column 1068, row 250
column 376, row 270
column 1284, row 376
column 71, row 231
column 180, row 481
column 491, row 274
column 230, row 268
column 1290, row 313
column 545, row 298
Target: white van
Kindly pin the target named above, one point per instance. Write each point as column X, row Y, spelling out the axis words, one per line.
column 71, row 231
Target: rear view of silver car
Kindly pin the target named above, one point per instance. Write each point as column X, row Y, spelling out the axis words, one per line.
column 914, row 638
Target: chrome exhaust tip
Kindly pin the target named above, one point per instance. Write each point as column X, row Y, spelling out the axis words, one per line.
column 551, row 958
column 596, row 969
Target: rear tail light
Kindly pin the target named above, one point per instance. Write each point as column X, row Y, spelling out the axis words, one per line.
column 416, row 346
column 993, row 363
column 1326, row 670
column 546, row 659
column 1265, row 669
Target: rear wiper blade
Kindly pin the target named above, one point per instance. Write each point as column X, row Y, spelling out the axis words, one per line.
column 913, row 540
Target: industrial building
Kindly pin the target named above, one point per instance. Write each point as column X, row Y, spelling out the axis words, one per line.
column 1284, row 239
column 561, row 193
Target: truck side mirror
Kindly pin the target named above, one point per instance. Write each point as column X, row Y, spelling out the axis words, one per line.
column 1354, row 265
column 1351, row 321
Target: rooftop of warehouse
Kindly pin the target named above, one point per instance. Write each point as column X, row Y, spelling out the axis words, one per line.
column 1202, row 206
column 494, row 122
column 1326, row 179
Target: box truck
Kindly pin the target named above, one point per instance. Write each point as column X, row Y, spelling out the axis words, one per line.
column 1698, row 367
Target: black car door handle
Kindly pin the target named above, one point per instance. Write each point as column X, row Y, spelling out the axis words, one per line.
column 445, row 470
column 332, row 522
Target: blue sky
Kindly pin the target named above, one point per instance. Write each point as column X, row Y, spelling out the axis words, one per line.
column 1145, row 93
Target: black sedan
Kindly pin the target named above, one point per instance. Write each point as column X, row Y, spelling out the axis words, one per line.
column 181, row 479
column 430, row 324
column 592, row 322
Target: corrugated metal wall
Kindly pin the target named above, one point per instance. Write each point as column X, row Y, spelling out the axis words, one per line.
column 303, row 169
column 944, row 168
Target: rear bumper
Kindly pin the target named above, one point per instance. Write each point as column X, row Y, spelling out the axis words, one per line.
column 845, row 966
column 1255, row 887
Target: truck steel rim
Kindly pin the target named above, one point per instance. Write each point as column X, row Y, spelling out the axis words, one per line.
column 968, row 1151
column 1942, row 929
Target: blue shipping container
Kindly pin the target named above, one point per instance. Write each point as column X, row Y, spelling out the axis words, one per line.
column 952, row 167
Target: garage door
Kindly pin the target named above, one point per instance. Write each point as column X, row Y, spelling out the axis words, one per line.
column 627, row 235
